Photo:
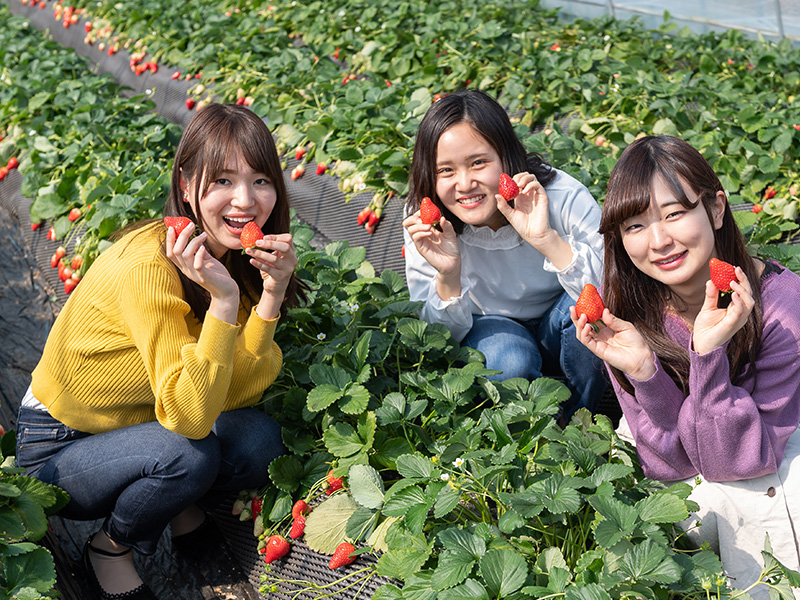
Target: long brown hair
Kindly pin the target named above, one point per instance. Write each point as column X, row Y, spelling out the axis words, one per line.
column 215, row 133
column 640, row 299
column 491, row 121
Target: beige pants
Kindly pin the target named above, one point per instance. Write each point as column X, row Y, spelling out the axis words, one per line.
column 736, row 515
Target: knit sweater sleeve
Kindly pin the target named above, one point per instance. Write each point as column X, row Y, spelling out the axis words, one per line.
column 193, row 379
column 454, row 313
column 723, row 430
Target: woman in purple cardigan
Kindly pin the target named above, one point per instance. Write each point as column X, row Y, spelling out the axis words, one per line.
column 709, row 383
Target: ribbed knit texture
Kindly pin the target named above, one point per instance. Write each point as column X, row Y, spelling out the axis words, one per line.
column 126, row 349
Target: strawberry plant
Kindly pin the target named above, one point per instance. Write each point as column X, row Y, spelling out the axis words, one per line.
column 26, row 568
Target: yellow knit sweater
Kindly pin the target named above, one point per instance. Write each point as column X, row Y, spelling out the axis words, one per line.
column 126, row 349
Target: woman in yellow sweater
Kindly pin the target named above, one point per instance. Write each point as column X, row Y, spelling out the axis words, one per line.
column 141, row 406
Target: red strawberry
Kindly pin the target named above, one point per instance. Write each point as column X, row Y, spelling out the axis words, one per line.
column 373, row 219
column 508, row 187
column 363, row 216
column 300, row 509
column 770, row 193
column 51, row 233
column 70, row 283
column 298, row 171
column 74, row 214
column 3, row 173
column 321, row 168
column 61, row 252
column 255, row 506
column 175, row 75
column 298, row 526
column 341, row 556
column 190, row 103
column 250, row 234
column 299, row 152
column 277, row 547
column 37, row 225
column 429, row 212
column 590, row 304
column 334, row 483
column 77, row 262
column 13, row 163
column 178, row 223
column 54, row 260
column 722, row 274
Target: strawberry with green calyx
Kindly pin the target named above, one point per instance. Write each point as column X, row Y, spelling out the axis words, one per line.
column 341, row 556
column 298, row 527
column 334, row 483
column 74, row 214
column 722, row 275
column 429, row 213
column 251, row 233
column 590, row 303
column 178, row 224
column 277, row 547
column 508, row 188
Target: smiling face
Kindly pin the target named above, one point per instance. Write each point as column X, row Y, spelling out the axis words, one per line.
column 467, row 176
column 672, row 243
column 235, row 196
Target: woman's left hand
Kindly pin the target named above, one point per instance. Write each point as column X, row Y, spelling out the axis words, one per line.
column 275, row 258
column 714, row 326
column 530, row 215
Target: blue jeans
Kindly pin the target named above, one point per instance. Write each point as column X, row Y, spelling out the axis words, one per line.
column 547, row 345
column 138, row 478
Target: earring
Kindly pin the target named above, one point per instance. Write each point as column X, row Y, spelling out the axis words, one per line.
column 185, row 196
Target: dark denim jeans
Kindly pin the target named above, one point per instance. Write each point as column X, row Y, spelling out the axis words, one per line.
column 527, row 348
column 138, row 478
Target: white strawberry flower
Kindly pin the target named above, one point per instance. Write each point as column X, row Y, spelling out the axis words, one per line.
column 458, row 462
column 321, row 336
column 444, row 476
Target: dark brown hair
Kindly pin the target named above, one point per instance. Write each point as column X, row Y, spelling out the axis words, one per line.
column 214, row 134
column 638, row 298
column 491, row 121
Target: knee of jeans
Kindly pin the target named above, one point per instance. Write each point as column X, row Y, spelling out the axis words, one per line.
column 198, row 458
column 250, row 452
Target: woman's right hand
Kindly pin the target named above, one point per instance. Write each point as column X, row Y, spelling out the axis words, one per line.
column 618, row 343
column 440, row 249
column 197, row 263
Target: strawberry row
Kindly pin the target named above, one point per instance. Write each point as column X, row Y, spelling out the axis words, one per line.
column 348, row 81
column 92, row 160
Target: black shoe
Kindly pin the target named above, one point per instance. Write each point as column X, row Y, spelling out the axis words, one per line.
column 140, row 593
column 206, row 541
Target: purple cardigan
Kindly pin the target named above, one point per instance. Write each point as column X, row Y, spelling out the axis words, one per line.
column 724, row 432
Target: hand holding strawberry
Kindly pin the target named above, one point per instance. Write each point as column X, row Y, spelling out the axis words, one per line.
column 714, row 326
column 438, row 246
column 178, row 224
column 251, row 233
column 508, row 188
column 619, row 344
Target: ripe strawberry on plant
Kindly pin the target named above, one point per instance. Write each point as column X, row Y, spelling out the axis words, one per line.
column 429, row 212
column 334, row 483
column 722, row 274
column 341, row 556
column 36, row 225
column 508, row 187
column 299, row 152
column 298, row 526
column 74, row 214
column 300, row 509
column 13, row 163
column 321, row 168
column 590, row 304
column 178, row 223
column 251, row 233
column 190, row 103
column 277, row 547
column 255, row 506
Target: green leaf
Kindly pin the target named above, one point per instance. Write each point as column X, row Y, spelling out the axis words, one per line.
column 326, row 525
column 366, row 486
column 665, row 127
column 619, row 520
column 414, row 465
column 378, row 538
column 33, row 569
column 469, row 590
column 326, row 374
column 662, row 508
column 342, row 440
column 446, row 501
column 590, row 591
column 452, row 568
column 355, row 399
column 286, row 472
column 397, row 504
column 361, row 524
column 649, row 562
column 322, row 396
column 504, row 572
column 403, row 563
